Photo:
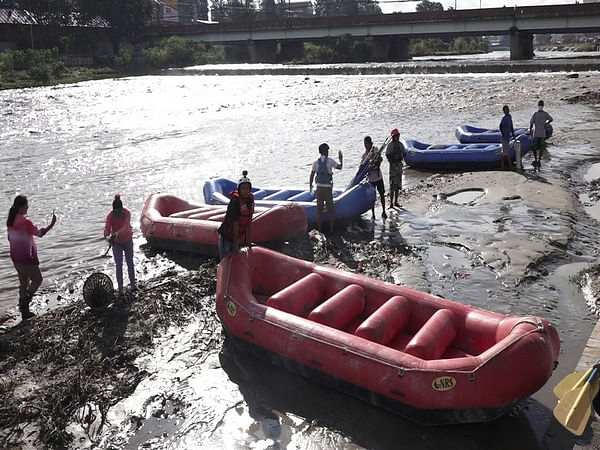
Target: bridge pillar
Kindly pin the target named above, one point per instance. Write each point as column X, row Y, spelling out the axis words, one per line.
column 380, row 48
column 262, row 51
column 290, row 50
column 399, row 49
column 521, row 44
column 389, row 48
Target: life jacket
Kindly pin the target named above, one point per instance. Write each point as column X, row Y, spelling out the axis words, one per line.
column 375, row 159
column 226, row 228
column 323, row 175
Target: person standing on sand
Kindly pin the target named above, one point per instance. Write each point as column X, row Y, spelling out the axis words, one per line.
column 236, row 228
column 23, row 252
column 118, row 227
column 395, row 155
column 375, row 176
column 323, row 169
column 507, row 130
column 538, row 123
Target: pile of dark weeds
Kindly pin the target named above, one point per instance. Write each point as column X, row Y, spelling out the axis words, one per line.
column 72, row 364
column 355, row 249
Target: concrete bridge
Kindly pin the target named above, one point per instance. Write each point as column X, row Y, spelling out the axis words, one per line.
column 389, row 34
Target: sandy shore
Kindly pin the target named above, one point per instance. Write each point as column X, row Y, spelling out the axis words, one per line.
column 515, row 201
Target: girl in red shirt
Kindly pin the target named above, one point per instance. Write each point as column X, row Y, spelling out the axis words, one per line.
column 118, row 228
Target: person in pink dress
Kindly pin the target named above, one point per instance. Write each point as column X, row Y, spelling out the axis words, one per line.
column 118, row 230
column 23, row 252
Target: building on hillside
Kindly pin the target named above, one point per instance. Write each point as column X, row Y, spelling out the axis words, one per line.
column 301, row 9
column 174, row 12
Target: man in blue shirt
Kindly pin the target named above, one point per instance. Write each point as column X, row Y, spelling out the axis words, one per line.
column 507, row 130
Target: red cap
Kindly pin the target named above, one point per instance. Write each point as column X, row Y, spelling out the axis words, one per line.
column 395, row 132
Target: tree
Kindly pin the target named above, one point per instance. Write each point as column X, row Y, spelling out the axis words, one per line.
column 233, row 10
column 125, row 17
column 346, row 7
column 270, row 8
column 369, row 7
column 426, row 5
column 219, row 11
column 202, row 9
column 52, row 12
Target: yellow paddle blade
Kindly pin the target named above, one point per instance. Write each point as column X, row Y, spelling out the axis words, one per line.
column 571, row 381
column 574, row 408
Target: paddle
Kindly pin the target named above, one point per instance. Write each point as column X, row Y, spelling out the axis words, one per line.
column 105, row 254
column 363, row 168
column 110, row 244
column 574, row 408
column 572, row 381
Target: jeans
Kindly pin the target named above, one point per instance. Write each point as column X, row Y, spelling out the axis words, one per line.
column 30, row 279
column 225, row 247
column 118, row 250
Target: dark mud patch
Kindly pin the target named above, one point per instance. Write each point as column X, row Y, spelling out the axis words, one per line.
column 587, row 97
column 72, row 364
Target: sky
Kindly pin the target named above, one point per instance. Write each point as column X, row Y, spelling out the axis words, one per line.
column 390, row 6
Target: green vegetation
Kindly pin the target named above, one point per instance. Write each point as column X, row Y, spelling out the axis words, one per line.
column 345, row 7
column 593, row 271
column 426, row 5
column 30, row 68
column 460, row 45
column 176, row 51
column 342, row 49
column 348, row 49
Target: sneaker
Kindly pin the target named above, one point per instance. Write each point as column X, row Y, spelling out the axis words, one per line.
column 26, row 315
column 384, row 215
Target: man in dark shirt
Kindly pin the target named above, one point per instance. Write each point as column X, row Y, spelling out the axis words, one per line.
column 507, row 130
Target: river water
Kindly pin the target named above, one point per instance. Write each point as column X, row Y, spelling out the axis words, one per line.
column 71, row 148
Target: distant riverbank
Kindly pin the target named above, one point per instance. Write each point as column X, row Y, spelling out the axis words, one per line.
column 493, row 62
column 410, row 67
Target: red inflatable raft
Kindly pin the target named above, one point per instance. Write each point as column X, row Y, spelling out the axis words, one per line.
column 431, row 360
column 172, row 223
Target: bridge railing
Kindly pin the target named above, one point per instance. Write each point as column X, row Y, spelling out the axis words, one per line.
column 512, row 13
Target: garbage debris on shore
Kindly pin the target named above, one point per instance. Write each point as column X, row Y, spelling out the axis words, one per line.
column 74, row 363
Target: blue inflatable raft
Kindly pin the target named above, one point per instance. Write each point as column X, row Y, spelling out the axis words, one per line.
column 459, row 156
column 467, row 134
column 349, row 204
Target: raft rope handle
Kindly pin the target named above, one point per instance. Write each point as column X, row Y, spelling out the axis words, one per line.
column 470, row 373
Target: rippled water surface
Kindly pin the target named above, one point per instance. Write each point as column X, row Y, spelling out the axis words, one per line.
column 71, row 148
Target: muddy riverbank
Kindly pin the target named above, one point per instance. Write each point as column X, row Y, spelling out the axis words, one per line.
column 155, row 370
column 141, row 372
